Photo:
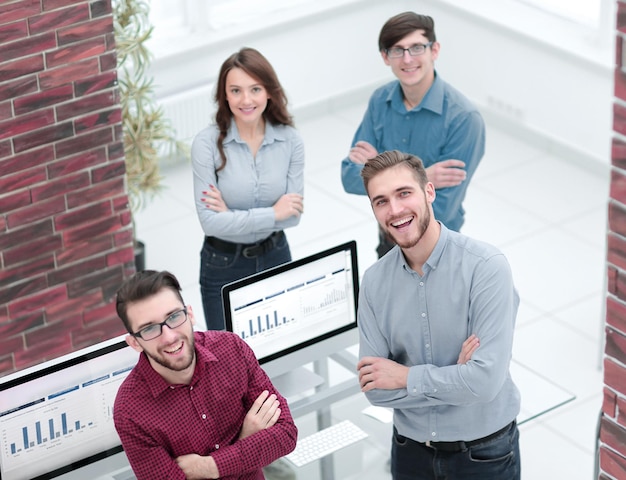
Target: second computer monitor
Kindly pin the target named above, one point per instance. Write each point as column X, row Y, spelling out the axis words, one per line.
column 292, row 314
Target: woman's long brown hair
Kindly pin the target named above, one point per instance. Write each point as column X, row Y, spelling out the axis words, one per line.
column 257, row 66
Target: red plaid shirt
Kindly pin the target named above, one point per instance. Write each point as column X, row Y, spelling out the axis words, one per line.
column 158, row 422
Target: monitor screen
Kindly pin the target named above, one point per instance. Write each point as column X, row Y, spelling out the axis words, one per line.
column 295, row 306
column 58, row 416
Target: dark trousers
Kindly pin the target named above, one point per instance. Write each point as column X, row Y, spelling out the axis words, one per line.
column 217, row 268
column 496, row 459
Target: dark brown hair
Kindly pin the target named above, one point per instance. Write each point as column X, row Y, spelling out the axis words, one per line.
column 256, row 65
column 141, row 286
column 392, row 158
column 403, row 24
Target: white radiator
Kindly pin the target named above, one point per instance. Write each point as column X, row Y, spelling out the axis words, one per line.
column 189, row 111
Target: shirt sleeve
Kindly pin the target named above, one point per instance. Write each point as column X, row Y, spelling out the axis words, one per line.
column 493, row 306
column 350, row 171
column 261, row 448
column 295, row 178
column 466, row 142
column 148, row 458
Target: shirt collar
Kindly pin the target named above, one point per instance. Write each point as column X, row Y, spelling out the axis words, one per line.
column 272, row 134
column 433, row 100
column 433, row 260
column 157, row 384
column 435, row 256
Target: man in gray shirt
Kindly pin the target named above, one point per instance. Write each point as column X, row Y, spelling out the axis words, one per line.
column 435, row 294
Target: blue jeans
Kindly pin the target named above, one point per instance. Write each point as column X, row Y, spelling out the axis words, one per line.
column 218, row 268
column 495, row 459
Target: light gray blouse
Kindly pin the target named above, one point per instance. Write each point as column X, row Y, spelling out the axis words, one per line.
column 250, row 186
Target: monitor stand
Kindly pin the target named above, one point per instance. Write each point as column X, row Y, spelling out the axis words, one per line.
column 296, row 382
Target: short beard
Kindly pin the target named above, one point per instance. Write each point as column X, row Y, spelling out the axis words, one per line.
column 410, row 243
column 175, row 368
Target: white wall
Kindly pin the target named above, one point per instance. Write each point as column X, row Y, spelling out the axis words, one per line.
column 539, row 90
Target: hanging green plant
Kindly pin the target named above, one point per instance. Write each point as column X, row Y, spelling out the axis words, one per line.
column 148, row 135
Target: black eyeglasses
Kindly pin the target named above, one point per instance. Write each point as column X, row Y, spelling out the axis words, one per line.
column 173, row 320
column 414, row 50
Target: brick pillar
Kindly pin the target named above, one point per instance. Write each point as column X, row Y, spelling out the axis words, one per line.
column 65, row 233
column 612, row 460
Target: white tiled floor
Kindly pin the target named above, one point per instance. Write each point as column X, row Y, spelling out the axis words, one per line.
column 546, row 214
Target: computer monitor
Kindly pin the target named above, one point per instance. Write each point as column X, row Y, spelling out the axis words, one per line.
column 58, row 416
column 298, row 312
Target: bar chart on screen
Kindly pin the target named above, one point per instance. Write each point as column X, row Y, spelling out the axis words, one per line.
column 303, row 308
column 48, row 421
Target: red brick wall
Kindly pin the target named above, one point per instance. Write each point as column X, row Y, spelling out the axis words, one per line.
column 65, row 235
column 613, row 425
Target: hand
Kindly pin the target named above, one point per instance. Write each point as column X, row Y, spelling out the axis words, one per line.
column 263, row 414
column 447, row 173
column 381, row 373
column 362, row 152
column 289, row 205
column 214, row 200
column 196, row 467
column 467, row 349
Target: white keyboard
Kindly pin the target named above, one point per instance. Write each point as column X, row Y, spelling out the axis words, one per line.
column 325, row 442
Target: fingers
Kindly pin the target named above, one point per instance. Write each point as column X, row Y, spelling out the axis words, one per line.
column 364, row 362
column 367, row 148
column 366, row 368
column 444, row 176
column 362, row 152
column 468, row 348
column 288, row 205
column 265, row 407
column 268, row 408
column 452, row 163
column 256, row 406
column 297, row 203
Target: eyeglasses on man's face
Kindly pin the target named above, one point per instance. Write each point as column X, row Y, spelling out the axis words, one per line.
column 173, row 320
column 414, row 50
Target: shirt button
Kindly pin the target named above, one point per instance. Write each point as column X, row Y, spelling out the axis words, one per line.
column 421, row 284
column 428, row 345
column 434, row 434
column 204, row 416
column 217, row 446
column 423, row 315
column 191, row 388
column 404, row 140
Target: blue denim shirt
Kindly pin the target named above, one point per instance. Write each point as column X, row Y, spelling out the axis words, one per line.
column 422, row 322
column 444, row 126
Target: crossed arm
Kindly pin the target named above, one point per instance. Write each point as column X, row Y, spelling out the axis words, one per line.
column 446, row 173
column 385, row 374
column 263, row 414
column 288, row 205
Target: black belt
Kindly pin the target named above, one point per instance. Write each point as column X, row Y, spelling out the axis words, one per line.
column 460, row 446
column 248, row 250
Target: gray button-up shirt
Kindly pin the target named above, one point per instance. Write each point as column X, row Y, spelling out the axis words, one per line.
column 422, row 321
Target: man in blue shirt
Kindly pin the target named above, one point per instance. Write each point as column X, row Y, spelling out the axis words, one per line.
column 420, row 114
column 435, row 294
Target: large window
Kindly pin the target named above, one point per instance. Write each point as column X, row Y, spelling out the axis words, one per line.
column 586, row 12
column 198, row 15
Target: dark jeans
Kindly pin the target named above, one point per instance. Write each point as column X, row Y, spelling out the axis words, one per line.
column 218, row 268
column 495, row 459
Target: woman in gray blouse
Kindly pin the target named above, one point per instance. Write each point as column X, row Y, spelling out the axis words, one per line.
column 248, row 178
